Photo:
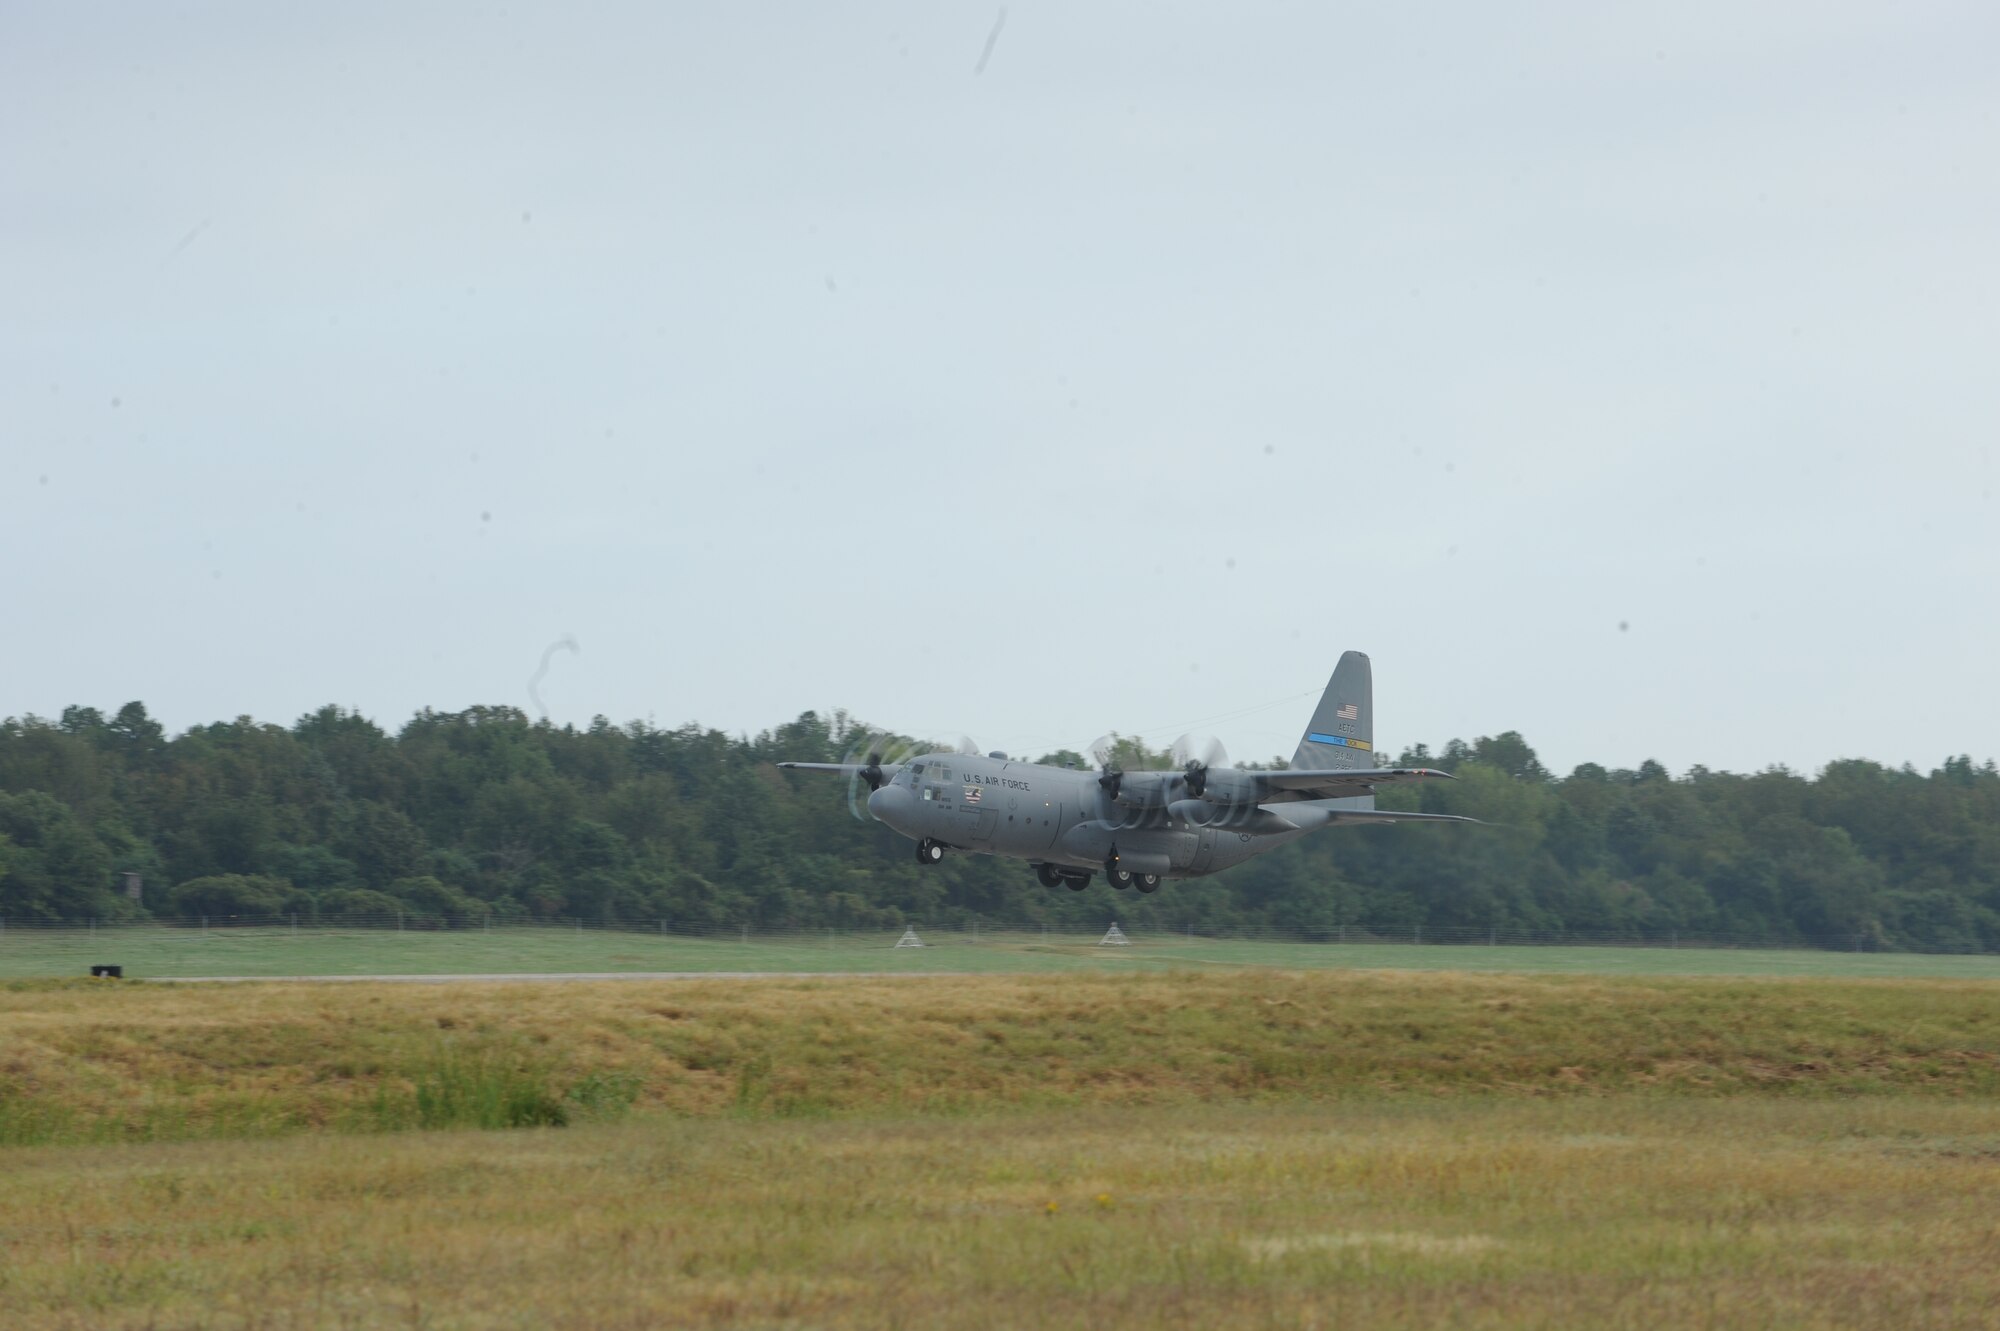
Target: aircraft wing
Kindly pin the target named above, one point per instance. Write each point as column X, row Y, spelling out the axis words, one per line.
column 1391, row 816
column 1339, row 783
column 889, row 770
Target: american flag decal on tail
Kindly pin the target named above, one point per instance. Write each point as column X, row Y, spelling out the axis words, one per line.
column 1349, row 712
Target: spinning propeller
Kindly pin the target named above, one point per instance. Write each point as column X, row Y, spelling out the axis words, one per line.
column 876, row 751
column 871, row 750
column 1110, row 774
column 1194, row 755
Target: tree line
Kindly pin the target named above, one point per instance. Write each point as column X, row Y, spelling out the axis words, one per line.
column 463, row 816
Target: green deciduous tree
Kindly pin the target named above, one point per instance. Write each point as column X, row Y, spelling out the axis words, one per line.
column 459, row 815
column 238, row 897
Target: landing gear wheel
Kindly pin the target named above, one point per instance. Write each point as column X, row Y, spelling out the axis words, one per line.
column 1146, row 882
column 929, row 852
column 1048, row 875
column 1119, row 878
column 1076, row 882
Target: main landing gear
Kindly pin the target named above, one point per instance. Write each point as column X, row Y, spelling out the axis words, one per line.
column 1124, row 878
column 929, row 852
column 1051, row 876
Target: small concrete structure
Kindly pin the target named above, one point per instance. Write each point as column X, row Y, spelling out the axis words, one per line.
column 135, row 886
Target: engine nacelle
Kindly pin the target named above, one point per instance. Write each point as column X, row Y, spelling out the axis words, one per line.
column 1199, row 812
column 1143, row 790
column 1230, row 788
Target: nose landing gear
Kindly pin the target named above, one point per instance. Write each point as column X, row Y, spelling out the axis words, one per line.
column 929, row 852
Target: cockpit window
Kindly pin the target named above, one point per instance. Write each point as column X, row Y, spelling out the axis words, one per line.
column 944, row 774
column 916, row 769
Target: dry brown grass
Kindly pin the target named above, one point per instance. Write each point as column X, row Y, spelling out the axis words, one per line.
column 1244, row 1149
column 104, row 1061
column 1622, row 1211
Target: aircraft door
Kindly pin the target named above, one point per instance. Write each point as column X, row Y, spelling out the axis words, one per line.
column 1045, row 822
column 964, row 809
column 935, row 814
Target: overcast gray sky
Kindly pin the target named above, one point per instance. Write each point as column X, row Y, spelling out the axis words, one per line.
column 1624, row 375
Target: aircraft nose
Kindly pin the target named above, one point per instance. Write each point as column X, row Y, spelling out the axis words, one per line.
column 891, row 804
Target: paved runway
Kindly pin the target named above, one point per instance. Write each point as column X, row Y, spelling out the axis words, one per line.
column 542, row 976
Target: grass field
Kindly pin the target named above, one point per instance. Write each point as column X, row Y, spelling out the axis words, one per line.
column 1637, row 1212
column 98, row 1061
column 1199, row 1148
column 154, row 952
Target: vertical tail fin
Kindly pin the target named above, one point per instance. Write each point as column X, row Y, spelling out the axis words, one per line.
column 1342, row 732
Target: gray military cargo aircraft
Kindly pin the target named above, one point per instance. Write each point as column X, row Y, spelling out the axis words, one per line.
column 1141, row 827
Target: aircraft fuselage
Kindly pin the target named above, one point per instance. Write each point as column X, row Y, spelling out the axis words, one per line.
column 1063, row 816
column 1140, row 827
